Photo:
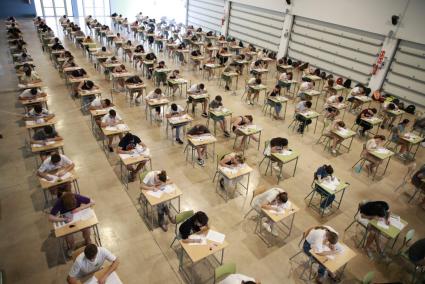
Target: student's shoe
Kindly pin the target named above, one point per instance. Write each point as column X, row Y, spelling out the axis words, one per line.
column 226, row 133
column 178, row 140
column 69, row 253
column 227, row 88
column 164, row 227
column 326, row 211
column 201, row 162
column 276, row 168
column 274, row 231
column 333, row 151
column 111, row 149
column 172, row 219
column 204, row 114
column 267, row 227
column 382, row 126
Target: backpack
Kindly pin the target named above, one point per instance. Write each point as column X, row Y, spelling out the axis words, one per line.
column 347, row 83
column 323, row 75
column 410, row 109
column 339, row 81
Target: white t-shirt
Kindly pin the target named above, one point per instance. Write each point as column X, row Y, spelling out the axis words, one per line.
column 97, row 102
column 172, row 112
column 195, row 89
column 27, row 94
column 236, row 279
column 265, row 197
column 251, row 81
column 354, row 91
column 316, row 237
column 48, row 166
column 305, row 86
column 153, row 95
column 283, row 77
column 150, row 178
column 107, row 119
column 82, row 266
column 33, row 114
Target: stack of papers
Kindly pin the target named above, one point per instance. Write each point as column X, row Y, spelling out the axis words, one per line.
column 156, row 194
column 168, row 188
column 286, row 152
column 112, row 279
column 79, row 216
column 215, row 236
column 396, row 222
column 229, row 171
column 202, row 238
column 56, row 178
column 331, row 184
column 201, row 138
column 382, row 151
column 343, row 131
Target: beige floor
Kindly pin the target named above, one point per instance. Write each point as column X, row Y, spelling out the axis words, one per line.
column 30, row 254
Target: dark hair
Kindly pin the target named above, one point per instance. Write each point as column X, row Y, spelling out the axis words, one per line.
column 162, row 176
column 382, row 137
column 103, row 48
column 173, row 107
column 38, row 108
column 55, row 158
column 112, row 112
column 218, row 98
column 391, row 106
column 89, row 84
column 329, row 169
column 201, row 86
column 158, row 91
column 90, row 251
column 405, row 121
column 283, row 197
column 332, row 237
column 201, row 217
column 308, row 104
column 340, row 98
column 33, row 91
column 250, row 118
column 374, row 110
column 69, row 201
column 258, row 81
column 107, row 102
column 48, row 129
column 341, row 123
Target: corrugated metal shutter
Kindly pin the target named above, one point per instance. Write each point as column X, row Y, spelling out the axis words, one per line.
column 260, row 27
column 340, row 50
column 206, row 14
column 406, row 76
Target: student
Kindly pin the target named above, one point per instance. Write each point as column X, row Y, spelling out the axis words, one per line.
column 374, row 210
column 198, row 223
column 273, row 199
column 156, row 95
column 242, row 121
column 32, row 94
column 135, row 80
column 199, row 130
column 356, row 91
column 284, row 80
column 276, row 145
column 227, row 79
column 253, row 82
column 154, row 180
column 373, row 144
column 333, row 100
column 418, row 180
column 364, row 125
column 38, row 113
column 118, row 40
column 150, row 57
column 29, row 77
column 70, row 203
column 239, row 279
column 337, row 125
column 126, row 146
column 58, row 165
column 198, row 89
column 222, row 59
column 99, row 103
column 44, row 135
column 231, row 160
column 174, row 75
column 398, row 132
column 320, row 239
column 161, row 77
column 305, row 86
column 388, row 117
column 77, row 74
column 176, row 111
column 24, row 57
column 416, row 252
column 91, row 260
column 111, row 119
column 324, row 173
column 302, row 107
column 69, row 62
column 86, row 85
column 217, row 103
column 276, row 105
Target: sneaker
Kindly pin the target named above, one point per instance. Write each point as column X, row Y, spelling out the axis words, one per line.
column 226, row 88
column 267, row 227
column 369, row 254
column 111, row 149
column 333, row 151
column 204, row 114
column 274, row 231
column 179, row 141
column 164, row 227
column 326, row 211
column 69, row 253
column 226, row 133
column 201, row 162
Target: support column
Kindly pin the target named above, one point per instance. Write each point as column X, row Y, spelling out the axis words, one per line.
column 284, row 38
column 226, row 15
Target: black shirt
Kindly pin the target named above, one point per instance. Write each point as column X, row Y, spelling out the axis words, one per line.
column 188, row 227
column 129, row 142
column 375, row 208
column 417, row 251
column 198, row 130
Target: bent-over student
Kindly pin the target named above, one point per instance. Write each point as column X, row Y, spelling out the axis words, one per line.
column 239, row 279
column 324, row 173
column 39, row 114
column 198, row 89
column 215, row 104
column 242, row 121
column 199, row 130
column 56, row 166
column 43, row 136
column 364, row 125
column 32, row 94
column 418, row 180
column 175, row 111
column 231, row 160
column 111, row 119
column 373, row 144
column 302, row 108
column 156, row 95
column 127, row 145
column 198, row 223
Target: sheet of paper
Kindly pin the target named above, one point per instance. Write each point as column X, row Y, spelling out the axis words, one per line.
column 111, row 128
column 286, row 152
column 156, row 194
column 198, row 237
column 382, row 151
column 396, row 222
column 168, row 188
column 215, row 236
column 82, row 215
column 230, row 171
column 331, row 184
column 37, row 145
column 381, row 224
column 122, row 127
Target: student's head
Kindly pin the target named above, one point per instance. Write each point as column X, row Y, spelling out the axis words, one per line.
column 107, row 102
column 374, row 110
column 282, row 197
column 113, row 58
column 258, row 81
column 248, row 282
column 162, row 176
column 118, row 34
column 405, row 122
column 396, row 101
column 276, row 88
column 112, row 113
column 249, row 117
column 48, row 129
column 329, row 169
column 308, row 104
column 331, row 82
column 38, row 108
column 200, row 218
column 129, row 42
column 201, row 86
column 28, row 72
column 174, row 107
column 332, row 237
column 56, row 40
column 218, row 98
column 122, row 66
column 55, row 158
column 103, row 48
column 90, row 252
column 340, row 99
column 176, row 72
column 69, row 201
column 240, row 158
column 341, row 124
column 33, row 91
column 158, row 91
column 89, row 84
column 391, row 106
column 379, row 138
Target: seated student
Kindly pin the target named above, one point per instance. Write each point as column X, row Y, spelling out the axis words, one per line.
column 197, row 63
column 231, row 160
column 24, row 57
column 322, row 240
column 29, row 77
column 175, row 74
column 91, row 260
column 277, row 106
column 69, row 62
column 87, row 39
column 57, row 165
column 273, row 199
column 175, row 111
column 138, row 59
column 150, row 57
column 180, row 54
column 134, row 80
column 356, row 91
column 328, row 87
column 283, row 80
column 239, row 279
column 198, row 223
column 111, row 119
column 156, row 95
column 365, row 126
column 38, row 113
column 257, row 64
column 305, row 86
column 161, row 77
column 333, row 100
column 222, row 59
column 198, row 130
column 337, row 125
column 396, row 133
column 324, row 173
column 32, row 94
column 227, row 79
column 302, row 108
column 253, row 82
column 418, row 180
column 389, row 119
column 99, row 103
column 118, row 40
column 370, row 210
column 198, row 89
column 154, row 180
column 276, row 145
column 66, row 205
column 416, row 252
column 217, row 103
column 80, row 73
column 128, row 49
column 44, row 135
column 241, row 121
column 372, row 144
column 126, row 146
column 86, row 85
column 117, row 70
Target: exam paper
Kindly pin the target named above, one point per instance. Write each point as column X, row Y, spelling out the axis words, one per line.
column 112, row 279
column 198, row 237
column 156, row 194
column 215, row 236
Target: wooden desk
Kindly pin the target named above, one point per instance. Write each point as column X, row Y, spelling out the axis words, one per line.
column 130, row 89
column 381, row 156
column 130, row 160
column 412, row 139
column 178, row 121
column 38, row 148
column 196, row 98
column 28, row 104
column 276, row 218
column 248, row 131
column 23, row 87
column 395, row 113
column 107, row 132
column 345, row 135
column 32, row 125
column 329, row 190
column 148, row 201
column 313, row 93
column 311, row 114
column 284, row 158
column 47, row 185
column 199, row 141
column 230, row 75
column 375, row 122
column 177, row 82
column 153, row 103
column 391, row 233
column 231, row 174
column 217, row 114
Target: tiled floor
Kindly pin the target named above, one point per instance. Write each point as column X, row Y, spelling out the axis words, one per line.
column 30, row 254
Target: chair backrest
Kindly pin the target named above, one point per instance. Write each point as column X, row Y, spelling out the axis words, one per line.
column 183, row 216
column 142, row 176
column 266, row 144
column 368, row 278
column 409, row 235
column 224, row 270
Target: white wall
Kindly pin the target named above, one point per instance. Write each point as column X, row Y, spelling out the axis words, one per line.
column 412, row 25
column 276, row 5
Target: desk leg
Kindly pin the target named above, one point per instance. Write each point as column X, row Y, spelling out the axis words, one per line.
column 340, row 200
column 292, row 224
column 295, row 168
column 351, row 142
column 284, row 113
column 386, row 166
column 259, row 141
column 315, row 126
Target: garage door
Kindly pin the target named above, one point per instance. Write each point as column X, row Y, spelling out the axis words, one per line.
column 206, row 14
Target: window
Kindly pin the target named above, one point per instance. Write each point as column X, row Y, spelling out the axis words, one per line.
column 53, row 8
column 95, row 8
